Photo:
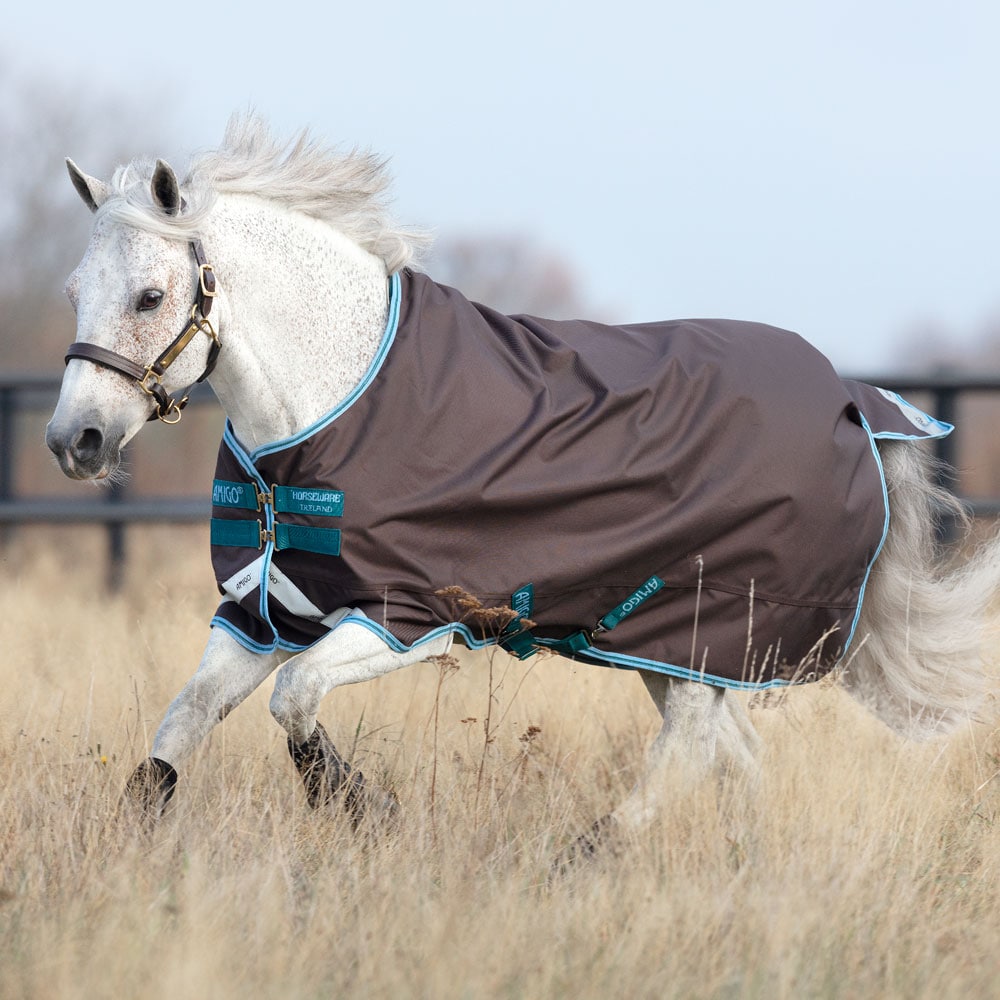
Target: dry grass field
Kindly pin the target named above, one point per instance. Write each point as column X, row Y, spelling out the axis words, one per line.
column 861, row 867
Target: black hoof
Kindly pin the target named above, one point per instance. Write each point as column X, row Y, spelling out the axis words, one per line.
column 149, row 788
column 326, row 776
column 597, row 840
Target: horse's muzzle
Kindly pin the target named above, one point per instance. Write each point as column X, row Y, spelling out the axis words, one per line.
column 83, row 453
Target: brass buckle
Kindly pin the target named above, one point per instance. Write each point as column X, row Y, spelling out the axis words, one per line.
column 265, row 536
column 202, row 268
column 263, row 499
column 149, row 377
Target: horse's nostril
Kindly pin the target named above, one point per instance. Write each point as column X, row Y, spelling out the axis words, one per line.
column 87, row 444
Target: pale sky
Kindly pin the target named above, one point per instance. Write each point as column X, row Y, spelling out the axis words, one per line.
column 826, row 167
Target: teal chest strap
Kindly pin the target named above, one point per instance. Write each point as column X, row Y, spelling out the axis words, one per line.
column 520, row 642
column 254, row 534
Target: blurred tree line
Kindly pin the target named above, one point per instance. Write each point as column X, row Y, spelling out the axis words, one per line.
column 44, row 230
column 43, row 224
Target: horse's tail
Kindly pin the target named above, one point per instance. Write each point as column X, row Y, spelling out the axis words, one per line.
column 921, row 659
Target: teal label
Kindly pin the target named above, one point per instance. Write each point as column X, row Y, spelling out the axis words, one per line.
column 523, row 600
column 309, row 500
column 229, row 494
column 652, row 586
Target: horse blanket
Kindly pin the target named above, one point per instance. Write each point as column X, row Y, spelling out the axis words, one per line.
column 698, row 497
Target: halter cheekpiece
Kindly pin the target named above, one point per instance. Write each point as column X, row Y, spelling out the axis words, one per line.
column 150, row 378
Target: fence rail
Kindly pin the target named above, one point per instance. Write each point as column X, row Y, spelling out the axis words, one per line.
column 115, row 508
column 118, row 508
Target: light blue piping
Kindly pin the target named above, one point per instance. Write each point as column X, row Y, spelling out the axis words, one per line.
column 241, row 637
column 248, row 459
column 943, row 428
column 232, row 442
column 620, row 661
column 885, row 528
column 617, row 660
column 392, row 324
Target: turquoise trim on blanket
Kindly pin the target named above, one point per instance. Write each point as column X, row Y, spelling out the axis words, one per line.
column 885, row 528
column 247, row 461
column 597, row 657
column 932, row 427
column 233, row 443
column 241, row 637
column 392, row 324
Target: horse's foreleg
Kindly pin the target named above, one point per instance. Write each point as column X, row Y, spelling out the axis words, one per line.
column 227, row 674
column 350, row 654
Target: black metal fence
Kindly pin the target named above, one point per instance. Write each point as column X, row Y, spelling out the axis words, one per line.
column 115, row 507
column 118, row 506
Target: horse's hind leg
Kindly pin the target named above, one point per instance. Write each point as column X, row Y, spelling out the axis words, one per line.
column 697, row 724
column 739, row 743
column 704, row 729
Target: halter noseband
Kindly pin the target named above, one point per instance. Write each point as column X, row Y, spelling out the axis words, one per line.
column 150, row 377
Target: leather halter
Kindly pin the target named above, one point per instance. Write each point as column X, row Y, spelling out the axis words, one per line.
column 150, row 378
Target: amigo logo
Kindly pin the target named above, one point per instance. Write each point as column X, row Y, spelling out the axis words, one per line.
column 646, row 590
column 228, row 494
column 650, row 587
column 523, row 601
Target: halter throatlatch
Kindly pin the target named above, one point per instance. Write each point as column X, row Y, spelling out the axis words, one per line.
column 150, row 378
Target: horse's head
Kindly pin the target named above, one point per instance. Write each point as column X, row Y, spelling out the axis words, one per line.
column 141, row 295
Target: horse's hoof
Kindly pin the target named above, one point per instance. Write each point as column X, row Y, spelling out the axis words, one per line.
column 149, row 789
column 327, row 777
column 376, row 809
column 588, row 846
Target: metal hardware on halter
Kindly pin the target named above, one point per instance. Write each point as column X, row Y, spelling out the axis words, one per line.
column 150, row 377
column 209, row 290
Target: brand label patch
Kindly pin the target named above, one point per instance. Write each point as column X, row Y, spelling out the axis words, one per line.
column 652, row 586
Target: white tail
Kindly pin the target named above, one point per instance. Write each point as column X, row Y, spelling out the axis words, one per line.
column 920, row 663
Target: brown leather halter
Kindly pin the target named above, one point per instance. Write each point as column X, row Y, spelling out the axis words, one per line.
column 150, row 378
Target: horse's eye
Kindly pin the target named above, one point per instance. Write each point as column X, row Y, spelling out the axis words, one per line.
column 150, row 299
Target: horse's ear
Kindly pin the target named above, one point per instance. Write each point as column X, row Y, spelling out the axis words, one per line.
column 93, row 192
column 166, row 190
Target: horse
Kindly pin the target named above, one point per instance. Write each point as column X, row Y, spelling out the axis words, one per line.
column 705, row 502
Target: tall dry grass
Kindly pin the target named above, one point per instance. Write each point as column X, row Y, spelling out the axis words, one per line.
column 862, row 866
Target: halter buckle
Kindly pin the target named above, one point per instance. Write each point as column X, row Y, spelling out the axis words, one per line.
column 150, row 382
column 207, row 290
column 150, row 379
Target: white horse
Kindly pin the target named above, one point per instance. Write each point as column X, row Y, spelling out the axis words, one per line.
column 274, row 262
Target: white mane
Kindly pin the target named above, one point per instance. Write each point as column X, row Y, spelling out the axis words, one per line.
column 347, row 190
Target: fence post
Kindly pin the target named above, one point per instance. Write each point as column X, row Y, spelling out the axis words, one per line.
column 945, row 448
column 7, row 445
column 116, row 540
column 946, row 451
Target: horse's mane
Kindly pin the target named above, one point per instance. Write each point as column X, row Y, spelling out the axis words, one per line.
column 347, row 190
